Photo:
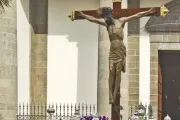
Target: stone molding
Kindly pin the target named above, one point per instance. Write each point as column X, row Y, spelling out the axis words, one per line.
column 170, row 23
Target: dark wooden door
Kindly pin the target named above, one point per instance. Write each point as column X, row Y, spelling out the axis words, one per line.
column 159, row 92
column 169, row 84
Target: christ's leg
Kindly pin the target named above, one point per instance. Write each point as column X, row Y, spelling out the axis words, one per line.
column 111, row 79
column 118, row 79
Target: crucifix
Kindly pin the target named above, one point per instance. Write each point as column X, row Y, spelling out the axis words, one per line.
column 118, row 12
column 114, row 20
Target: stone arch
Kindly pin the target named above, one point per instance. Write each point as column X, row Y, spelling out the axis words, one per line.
column 169, row 23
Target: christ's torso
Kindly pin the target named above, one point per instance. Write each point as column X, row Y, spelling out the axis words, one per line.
column 117, row 47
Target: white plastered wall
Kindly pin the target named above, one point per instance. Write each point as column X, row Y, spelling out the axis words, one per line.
column 23, row 50
column 72, row 53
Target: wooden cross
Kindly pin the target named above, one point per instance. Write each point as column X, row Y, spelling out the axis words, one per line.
column 118, row 12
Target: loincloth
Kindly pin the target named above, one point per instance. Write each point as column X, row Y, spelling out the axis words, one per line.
column 118, row 55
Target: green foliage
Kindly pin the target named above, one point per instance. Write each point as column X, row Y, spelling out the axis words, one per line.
column 4, row 3
column 140, row 118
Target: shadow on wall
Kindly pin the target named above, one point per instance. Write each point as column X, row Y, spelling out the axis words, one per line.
column 84, row 34
column 25, row 5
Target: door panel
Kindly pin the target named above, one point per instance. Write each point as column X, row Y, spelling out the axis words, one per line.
column 159, row 93
column 169, row 84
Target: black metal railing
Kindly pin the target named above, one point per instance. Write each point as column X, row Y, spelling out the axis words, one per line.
column 62, row 111
column 65, row 111
column 132, row 109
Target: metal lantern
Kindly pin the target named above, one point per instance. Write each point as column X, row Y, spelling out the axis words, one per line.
column 141, row 110
column 51, row 111
column 167, row 117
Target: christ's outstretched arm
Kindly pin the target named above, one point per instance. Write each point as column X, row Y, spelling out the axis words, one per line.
column 92, row 19
column 138, row 15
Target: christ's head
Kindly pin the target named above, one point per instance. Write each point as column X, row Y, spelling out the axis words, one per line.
column 105, row 11
column 106, row 14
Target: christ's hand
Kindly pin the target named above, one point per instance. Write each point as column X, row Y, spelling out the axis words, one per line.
column 140, row 14
column 152, row 10
column 80, row 14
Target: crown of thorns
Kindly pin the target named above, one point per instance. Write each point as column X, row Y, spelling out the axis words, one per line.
column 104, row 11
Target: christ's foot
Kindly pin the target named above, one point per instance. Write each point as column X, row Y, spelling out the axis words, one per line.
column 117, row 109
column 111, row 100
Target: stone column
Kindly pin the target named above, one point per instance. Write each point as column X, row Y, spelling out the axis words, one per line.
column 39, row 28
column 8, row 63
column 133, row 57
column 103, row 106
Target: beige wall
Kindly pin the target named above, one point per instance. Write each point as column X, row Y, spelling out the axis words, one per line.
column 133, row 69
column 153, row 3
column 8, row 63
